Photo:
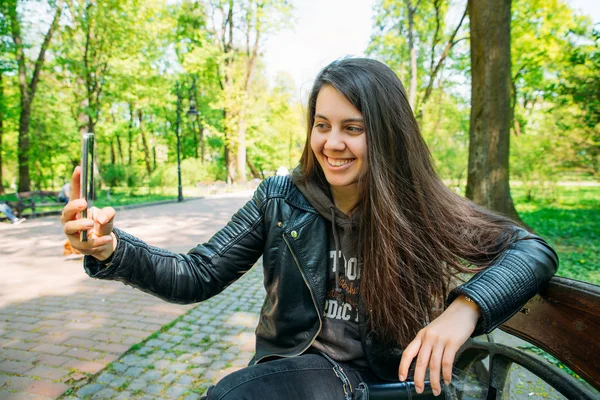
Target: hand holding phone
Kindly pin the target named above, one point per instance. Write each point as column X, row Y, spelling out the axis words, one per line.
column 88, row 228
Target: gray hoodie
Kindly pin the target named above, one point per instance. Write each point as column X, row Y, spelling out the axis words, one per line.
column 339, row 338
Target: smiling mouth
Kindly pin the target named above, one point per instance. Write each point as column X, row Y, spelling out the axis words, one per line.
column 338, row 162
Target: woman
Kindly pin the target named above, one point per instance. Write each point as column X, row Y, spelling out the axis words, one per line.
column 359, row 245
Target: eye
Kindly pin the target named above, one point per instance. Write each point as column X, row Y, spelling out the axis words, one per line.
column 355, row 129
column 320, row 126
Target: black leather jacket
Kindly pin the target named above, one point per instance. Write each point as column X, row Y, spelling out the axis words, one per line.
column 283, row 227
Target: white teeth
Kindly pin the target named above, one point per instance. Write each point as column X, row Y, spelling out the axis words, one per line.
column 338, row 163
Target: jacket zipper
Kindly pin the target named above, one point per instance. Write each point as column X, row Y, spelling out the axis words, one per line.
column 312, row 296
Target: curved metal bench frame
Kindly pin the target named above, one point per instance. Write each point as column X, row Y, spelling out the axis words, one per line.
column 563, row 320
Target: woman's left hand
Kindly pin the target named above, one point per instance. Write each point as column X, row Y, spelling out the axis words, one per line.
column 436, row 345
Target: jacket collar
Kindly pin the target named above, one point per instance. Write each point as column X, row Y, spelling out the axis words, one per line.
column 297, row 199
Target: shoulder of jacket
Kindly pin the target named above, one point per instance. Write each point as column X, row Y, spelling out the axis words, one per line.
column 274, row 187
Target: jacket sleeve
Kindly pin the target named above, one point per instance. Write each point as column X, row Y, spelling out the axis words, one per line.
column 203, row 272
column 504, row 287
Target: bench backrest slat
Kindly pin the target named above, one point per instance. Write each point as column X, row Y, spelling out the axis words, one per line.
column 564, row 321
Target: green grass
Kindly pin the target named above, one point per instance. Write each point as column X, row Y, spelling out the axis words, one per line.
column 568, row 217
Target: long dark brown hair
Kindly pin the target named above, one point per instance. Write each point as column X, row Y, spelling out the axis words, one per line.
column 415, row 234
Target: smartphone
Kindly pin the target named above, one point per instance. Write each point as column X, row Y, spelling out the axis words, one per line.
column 87, row 175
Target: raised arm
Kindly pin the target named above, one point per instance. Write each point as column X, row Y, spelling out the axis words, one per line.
column 204, row 271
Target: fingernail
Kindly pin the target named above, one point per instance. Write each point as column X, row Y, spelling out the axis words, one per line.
column 419, row 389
column 447, row 382
column 436, row 392
column 402, row 378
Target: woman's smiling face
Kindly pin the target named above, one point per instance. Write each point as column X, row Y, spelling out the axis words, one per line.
column 339, row 139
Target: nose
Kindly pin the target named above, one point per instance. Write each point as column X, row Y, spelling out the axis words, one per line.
column 335, row 141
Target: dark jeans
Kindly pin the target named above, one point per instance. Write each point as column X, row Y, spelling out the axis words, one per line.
column 305, row 377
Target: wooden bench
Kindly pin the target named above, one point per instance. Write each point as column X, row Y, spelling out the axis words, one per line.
column 563, row 320
column 33, row 199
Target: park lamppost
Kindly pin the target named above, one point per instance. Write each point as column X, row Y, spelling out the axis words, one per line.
column 193, row 114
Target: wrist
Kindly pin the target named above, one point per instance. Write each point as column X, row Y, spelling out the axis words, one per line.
column 109, row 250
column 466, row 303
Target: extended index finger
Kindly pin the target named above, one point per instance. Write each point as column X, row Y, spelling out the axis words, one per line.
column 76, row 183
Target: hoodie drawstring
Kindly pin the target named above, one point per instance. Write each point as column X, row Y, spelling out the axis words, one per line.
column 338, row 289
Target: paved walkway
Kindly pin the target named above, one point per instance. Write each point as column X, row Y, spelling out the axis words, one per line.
column 181, row 362
column 57, row 326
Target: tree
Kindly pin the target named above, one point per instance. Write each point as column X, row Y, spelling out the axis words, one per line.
column 412, row 36
column 27, row 84
column 240, row 55
column 488, row 172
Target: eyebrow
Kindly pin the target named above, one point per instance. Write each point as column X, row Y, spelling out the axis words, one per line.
column 344, row 121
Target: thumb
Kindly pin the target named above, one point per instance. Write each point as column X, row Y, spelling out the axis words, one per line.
column 106, row 218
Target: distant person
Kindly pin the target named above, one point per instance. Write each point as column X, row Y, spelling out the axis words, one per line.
column 7, row 210
column 282, row 171
column 65, row 192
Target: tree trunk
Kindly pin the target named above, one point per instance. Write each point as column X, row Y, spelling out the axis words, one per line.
column 241, row 147
column 145, row 144
column 227, row 151
column 255, row 172
column 488, row 172
column 412, row 90
column 1, row 128
column 27, row 87
column 202, row 147
column 113, row 155
column 130, row 135
column 120, row 148
column 23, row 148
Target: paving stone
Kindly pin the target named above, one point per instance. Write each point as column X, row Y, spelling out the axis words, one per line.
column 212, row 353
column 133, row 372
column 124, row 396
column 217, row 365
column 168, row 378
column 120, row 382
column 84, row 366
column 227, row 356
column 152, row 375
column 45, row 371
column 177, row 367
column 184, row 358
column 162, row 364
column 155, row 389
column 192, row 396
column 137, row 384
column 105, row 377
column 176, row 391
column 90, row 389
column 46, row 388
column 106, row 393
column 185, row 380
column 120, row 367
column 208, row 329
column 154, row 343
column 146, row 362
column 200, row 360
column 130, row 359
column 167, row 346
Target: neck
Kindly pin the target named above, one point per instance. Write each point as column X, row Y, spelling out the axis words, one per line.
column 345, row 198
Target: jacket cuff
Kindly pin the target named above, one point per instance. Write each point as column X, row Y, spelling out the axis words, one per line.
column 105, row 269
column 503, row 288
